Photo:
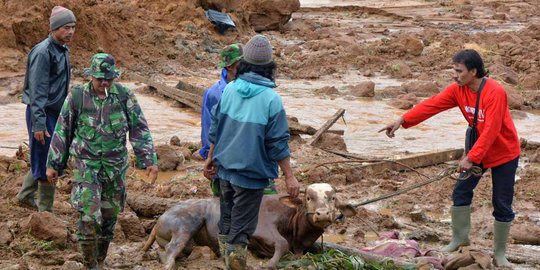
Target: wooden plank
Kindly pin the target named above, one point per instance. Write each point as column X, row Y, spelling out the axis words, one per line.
column 348, row 155
column 414, row 161
column 326, row 126
column 190, row 88
column 191, row 100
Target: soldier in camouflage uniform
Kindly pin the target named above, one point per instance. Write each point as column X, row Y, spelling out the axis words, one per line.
column 92, row 128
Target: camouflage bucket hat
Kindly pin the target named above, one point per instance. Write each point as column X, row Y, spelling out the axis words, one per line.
column 230, row 55
column 102, row 66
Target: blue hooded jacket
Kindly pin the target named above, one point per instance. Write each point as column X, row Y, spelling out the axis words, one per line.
column 250, row 132
column 211, row 97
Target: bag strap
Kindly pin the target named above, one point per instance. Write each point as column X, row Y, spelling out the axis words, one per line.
column 123, row 97
column 77, row 97
column 478, row 101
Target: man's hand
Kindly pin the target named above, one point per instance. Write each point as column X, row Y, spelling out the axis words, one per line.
column 52, row 175
column 464, row 165
column 40, row 136
column 152, row 173
column 293, row 188
column 209, row 169
column 391, row 128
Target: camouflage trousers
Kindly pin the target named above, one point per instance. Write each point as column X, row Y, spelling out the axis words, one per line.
column 99, row 199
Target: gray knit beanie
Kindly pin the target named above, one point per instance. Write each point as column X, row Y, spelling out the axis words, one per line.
column 61, row 16
column 258, row 50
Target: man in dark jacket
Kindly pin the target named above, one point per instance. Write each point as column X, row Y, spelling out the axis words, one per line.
column 45, row 89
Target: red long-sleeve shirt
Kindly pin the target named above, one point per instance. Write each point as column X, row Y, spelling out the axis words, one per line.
column 498, row 141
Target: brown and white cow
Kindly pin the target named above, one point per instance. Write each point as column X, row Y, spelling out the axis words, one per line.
column 284, row 224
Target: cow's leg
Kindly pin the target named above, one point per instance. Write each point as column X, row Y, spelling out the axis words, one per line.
column 281, row 246
column 172, row 250
column 178, row 242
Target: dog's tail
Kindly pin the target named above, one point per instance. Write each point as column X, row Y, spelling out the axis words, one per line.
column 150, row 240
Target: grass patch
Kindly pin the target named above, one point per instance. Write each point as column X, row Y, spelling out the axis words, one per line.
column 332, row 259
column 44, row 245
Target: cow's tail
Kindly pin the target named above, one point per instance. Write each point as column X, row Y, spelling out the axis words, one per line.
column 150, row 240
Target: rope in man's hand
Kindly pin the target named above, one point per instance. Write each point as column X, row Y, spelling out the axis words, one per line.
column 465, row 175
column 448, row 172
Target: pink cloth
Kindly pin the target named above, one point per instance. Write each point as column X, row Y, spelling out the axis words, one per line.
column 389, row 245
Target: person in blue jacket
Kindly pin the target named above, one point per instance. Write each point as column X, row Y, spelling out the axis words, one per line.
column 230, row 57
column 249, row 139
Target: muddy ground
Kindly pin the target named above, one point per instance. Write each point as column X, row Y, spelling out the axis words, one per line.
column 340, row 45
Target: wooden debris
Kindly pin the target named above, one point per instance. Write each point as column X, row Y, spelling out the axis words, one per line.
column 326, row 126
column 348, row 155
column 414, row 161
column 519, row 254
column 191, row 100
column 190, row 88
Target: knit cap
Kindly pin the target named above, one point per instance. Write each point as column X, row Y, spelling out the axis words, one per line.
column 61, row 16
column 258, row 50
column 230, row 55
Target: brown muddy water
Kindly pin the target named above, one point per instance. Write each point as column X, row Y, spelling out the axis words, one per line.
column 363, row 118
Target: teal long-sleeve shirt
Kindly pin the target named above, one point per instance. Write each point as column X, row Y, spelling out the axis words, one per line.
column 250, row 132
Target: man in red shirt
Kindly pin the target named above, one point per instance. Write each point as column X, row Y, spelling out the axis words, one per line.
column 497, row 147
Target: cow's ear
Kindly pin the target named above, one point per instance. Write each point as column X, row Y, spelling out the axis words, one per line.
column 290, row 202
column 346, row 209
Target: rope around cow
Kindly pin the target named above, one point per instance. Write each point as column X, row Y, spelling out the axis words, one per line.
column 475, row 171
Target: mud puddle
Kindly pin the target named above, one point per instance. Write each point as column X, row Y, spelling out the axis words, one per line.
column 395, row 17
column 363, row 118
column 368, row 3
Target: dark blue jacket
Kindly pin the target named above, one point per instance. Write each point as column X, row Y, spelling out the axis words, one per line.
column 211, row 97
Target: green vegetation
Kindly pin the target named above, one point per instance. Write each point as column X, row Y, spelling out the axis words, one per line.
column 44, row 245
column 332, row 259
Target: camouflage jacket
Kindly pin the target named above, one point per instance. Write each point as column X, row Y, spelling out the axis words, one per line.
column 95, row 136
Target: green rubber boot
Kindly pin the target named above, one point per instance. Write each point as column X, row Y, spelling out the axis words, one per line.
column 45, row 196
column 27, row 194
column 461, row 226
column 89, row 252
column 102, row 248
column 271, row 188
column 214, row 186
column 237, row 257
column 500, row 237
column 222, row 242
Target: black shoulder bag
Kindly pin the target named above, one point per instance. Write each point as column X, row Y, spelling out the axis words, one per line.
column 472, row 134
